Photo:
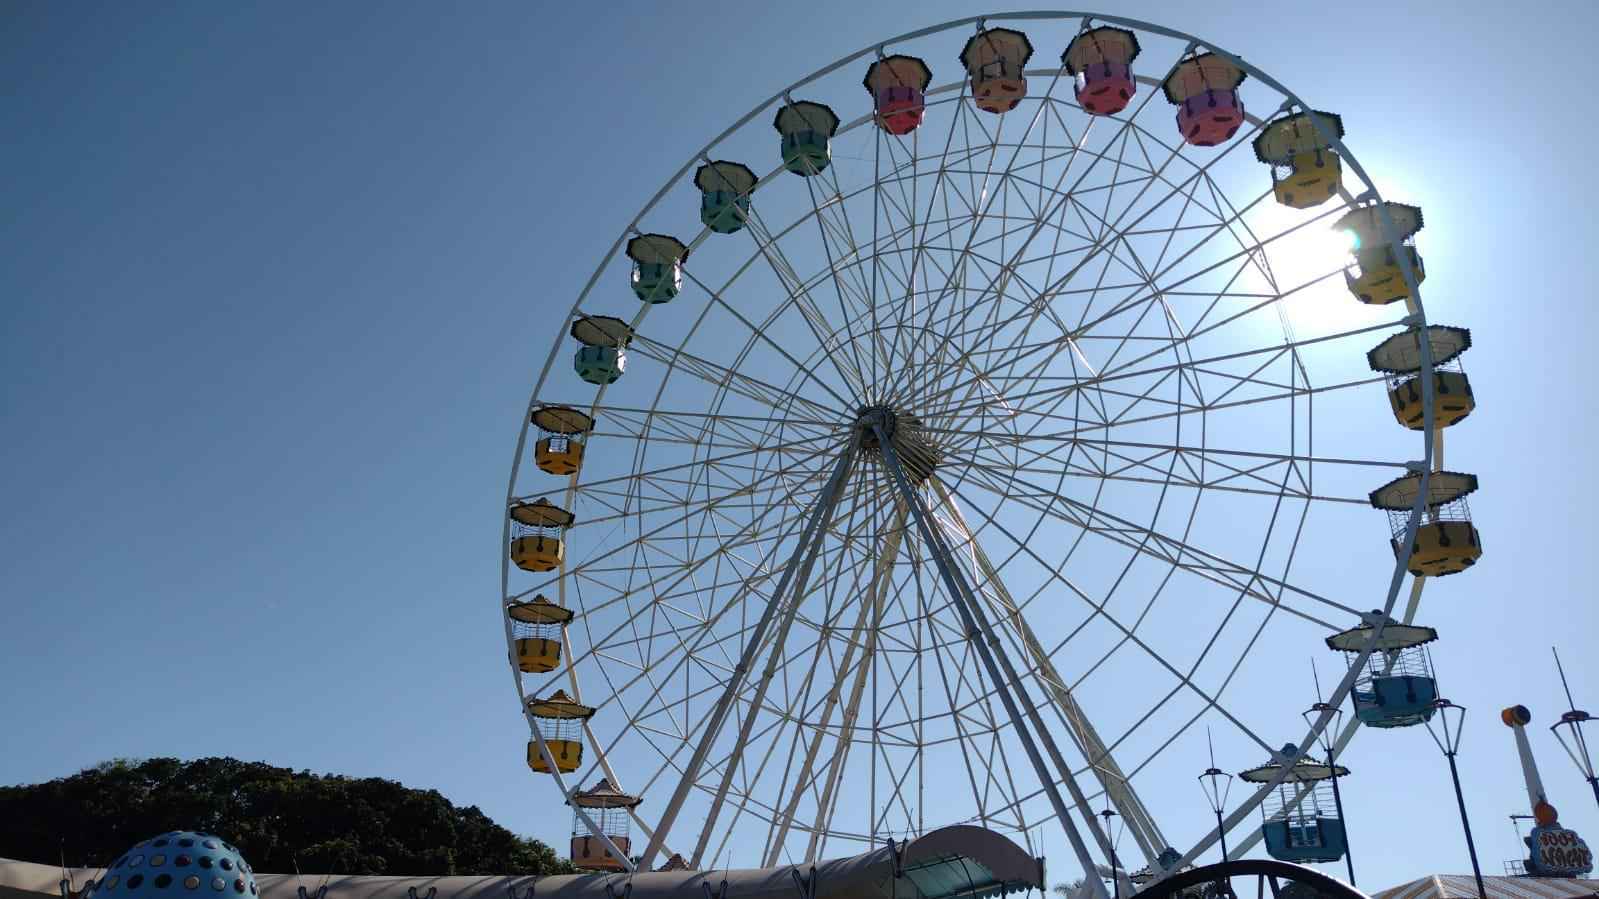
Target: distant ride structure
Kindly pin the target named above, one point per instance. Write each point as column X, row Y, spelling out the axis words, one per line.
column 910, row 463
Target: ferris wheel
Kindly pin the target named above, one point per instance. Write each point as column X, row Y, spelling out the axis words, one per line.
column 960, row 449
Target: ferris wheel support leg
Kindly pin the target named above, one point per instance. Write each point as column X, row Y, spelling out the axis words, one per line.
column 1044, row 734
column 805, row 551
column 863, row 636
column 1111, row 779
column 990, row 651
column 852, row 710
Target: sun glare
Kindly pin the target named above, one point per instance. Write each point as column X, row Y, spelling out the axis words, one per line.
column 1307, row 265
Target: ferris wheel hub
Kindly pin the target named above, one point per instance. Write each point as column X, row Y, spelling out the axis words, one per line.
column 917, row 451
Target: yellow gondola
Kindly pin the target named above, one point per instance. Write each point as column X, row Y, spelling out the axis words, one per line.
column 537, row 627
column 1374, row 275
column 1446, row 540
column 536, row 542
column 1399, row 357
column 560, row 720
column 559, row 449
column 1305, row 171
column 609, row 808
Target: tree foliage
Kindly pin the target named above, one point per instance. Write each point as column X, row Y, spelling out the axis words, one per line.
column 281, row 820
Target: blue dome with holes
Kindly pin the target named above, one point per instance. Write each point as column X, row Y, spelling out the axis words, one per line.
column 180, row 863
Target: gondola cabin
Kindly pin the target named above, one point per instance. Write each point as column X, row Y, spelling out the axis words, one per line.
column 1305, row 170
column 807, row 131
column 537, row 627
column 1310, row 831
column 898, row 85
column 559, row 719
column 1204, row 88
column 1396, row 687
column 562, row 431
column 657, row 266
column 725, row 189
column 1100, row 61
column 536, row 535
column 995, row 60
column 1399, row 358
column 1374, row 275
column 1446, row 540
column 610, row 810
column 602, row 358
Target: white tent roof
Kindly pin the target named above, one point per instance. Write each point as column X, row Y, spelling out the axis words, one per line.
column 1464, row 886
column 965, row 861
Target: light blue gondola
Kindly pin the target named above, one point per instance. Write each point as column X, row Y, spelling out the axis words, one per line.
column 1396, row 686
column 657, row 267
column 724, row 195
column 1319, row 839
column 1310, row 831
column 807, row 130
column 602, row 358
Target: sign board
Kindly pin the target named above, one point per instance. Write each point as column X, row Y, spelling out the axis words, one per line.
column 1557, row 852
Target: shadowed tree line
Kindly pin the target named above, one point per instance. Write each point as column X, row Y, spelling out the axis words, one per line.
column 281, row 820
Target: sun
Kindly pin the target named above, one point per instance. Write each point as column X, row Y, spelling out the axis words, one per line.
column 1307, row 257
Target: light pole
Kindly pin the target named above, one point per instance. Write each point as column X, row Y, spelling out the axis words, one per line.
column 1449, row 744
column 1217, row 784
column 1574, row 741
column 1310, row 715
column 1114, row 834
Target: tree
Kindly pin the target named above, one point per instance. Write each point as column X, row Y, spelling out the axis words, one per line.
column 282, row 820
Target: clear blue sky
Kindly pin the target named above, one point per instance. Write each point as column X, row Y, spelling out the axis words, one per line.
column 277, row 280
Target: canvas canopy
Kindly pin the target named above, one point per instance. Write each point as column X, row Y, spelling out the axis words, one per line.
column 897, row 71
column 558, row 705
column 1443, row 487
column 1307, row 770
column 602, row 330
column 993, row 45
column 1401, row 353
column 1394, row 636
column 792, row 118
column 1367, row 225
column 562, row 420
column 965, row 861
column 1103, row 44
column 541, row 514
column 732, row 177
column 660, row 249
column 1205, row 72
column 1284, row 137
column 538, row 610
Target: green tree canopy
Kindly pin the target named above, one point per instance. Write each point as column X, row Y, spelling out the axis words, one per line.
column 278, row 818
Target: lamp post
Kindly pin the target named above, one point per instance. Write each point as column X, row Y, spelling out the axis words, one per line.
column 1217, row 784
column 1115, row 835
column 1574, row 741
column 1310, row 715
column 1450, row 718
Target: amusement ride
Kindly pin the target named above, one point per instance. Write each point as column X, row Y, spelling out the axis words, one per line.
column 958, row 436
